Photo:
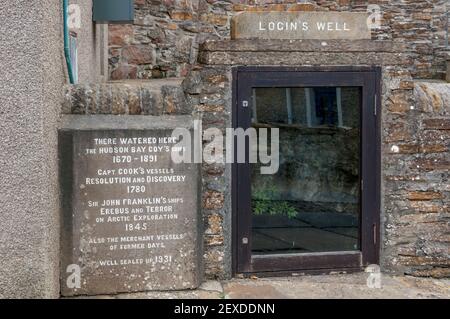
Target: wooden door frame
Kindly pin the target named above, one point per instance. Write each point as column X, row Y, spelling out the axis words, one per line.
column 369, row 78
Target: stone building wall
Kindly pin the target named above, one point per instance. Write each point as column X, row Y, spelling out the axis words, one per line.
column 416, row 166
column 166, row 42
column 415, row 149
column 415, row 141
column 163, row 41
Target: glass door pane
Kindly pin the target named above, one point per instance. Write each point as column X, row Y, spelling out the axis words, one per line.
column 312, row 204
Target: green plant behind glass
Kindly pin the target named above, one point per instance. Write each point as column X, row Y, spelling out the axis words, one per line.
column 263, row 203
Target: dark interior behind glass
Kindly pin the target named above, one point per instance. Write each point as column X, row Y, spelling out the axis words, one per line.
column 312, row 204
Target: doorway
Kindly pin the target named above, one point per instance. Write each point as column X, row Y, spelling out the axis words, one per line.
column 319, row 211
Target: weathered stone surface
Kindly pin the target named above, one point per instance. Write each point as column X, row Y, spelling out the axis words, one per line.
column 119, row 100
column 433, row 97
column 277, row 45
column 234, row 290
column 300, row 25
column 180, row 15
column 133, row 101
column 124, row 72
column 215, row 19
column 437, row 124
column 397, row 132
column 436, row 272
column 417, row 24
column 414, row 169
column 416, row 200
column 138, row 55
column 153, row 97
column 414, row 164
column 120, row 35
column 214, row 240
column 212, row 285
column 214, row 224
column 103, row 99
column 337, row 286
column 174, row 100
column 419, row 165
column 400, row 102
column 431, row 164
column 215, row 262
column 213, row 200
column 300, row 58
column 130, row 215
column 419, row 196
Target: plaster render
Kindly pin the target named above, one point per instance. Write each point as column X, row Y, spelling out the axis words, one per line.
column 92, row 42
column 33, row 72
column 32, row 78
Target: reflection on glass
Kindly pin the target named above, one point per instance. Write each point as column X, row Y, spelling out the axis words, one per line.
column 312, row 203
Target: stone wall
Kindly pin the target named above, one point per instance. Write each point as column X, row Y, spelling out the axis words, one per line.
column 161, row 97
column 414, row 216
column 414, row 138
column 209, row 89
column 417, row 162
column 163, row 41
column 202, row 93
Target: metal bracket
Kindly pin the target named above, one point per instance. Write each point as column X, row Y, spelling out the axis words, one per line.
column 375, row 105
column 374, row 234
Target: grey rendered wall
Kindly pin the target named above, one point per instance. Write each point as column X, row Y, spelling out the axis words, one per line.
column 32, row 75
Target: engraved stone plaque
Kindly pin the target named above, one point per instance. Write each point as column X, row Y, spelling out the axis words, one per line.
column 301, row 25
column 130, row 215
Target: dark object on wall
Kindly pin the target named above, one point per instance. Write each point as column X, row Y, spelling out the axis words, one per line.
column 116, row 11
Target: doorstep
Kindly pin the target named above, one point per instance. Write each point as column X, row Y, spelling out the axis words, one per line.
column 339, row 286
